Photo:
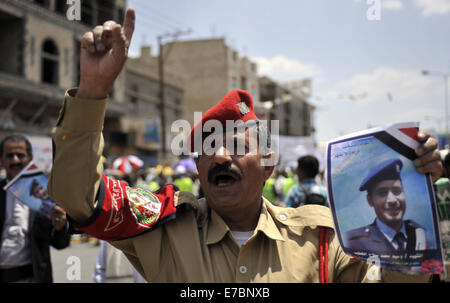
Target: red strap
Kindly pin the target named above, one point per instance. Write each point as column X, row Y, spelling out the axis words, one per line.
column 323, row 254
column 326, row 255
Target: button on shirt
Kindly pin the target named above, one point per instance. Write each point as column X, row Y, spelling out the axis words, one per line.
column 15, row 241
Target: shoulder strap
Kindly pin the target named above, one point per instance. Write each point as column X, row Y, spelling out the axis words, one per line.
column 323, row 254
column 305, row 192
column 304, row 189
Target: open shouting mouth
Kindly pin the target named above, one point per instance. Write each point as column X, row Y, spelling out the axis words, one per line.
column 224, row 176
column 225, row 179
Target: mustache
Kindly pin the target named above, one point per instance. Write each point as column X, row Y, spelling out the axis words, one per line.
column 392, row 205
column 224, row 168
column 13, row 166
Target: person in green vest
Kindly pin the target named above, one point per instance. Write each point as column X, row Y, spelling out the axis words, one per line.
column 269, row 190
column 182, row 180
column 288, row 183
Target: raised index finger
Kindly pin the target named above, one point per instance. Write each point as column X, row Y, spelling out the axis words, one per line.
column 128, row 23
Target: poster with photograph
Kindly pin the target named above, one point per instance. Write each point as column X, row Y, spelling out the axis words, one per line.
column 384, row 210
column 30, row 187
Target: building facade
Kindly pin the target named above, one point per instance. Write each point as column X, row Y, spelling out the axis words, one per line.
column 40, row 51
column 288, row 105
column 142, row 125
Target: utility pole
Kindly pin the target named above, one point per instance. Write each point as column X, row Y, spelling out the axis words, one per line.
column 444, row 76
column 162, row 106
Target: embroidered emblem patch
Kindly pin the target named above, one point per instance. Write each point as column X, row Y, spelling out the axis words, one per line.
column 144, row 205
column 243, row 108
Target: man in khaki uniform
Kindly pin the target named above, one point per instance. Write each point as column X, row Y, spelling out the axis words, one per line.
column 233, row 235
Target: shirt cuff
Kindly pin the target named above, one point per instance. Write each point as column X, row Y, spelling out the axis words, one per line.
column 81, row 115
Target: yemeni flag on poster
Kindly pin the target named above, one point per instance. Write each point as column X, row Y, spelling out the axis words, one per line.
column 384, row 211
column 30, row 187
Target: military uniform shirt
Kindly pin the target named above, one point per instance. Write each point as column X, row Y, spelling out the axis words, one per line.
column 189, row 242
column 389, row 233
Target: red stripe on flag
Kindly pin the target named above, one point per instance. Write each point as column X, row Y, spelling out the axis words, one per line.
column 410, row 132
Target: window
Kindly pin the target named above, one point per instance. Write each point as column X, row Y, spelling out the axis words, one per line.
column 50, row 62
column 178, row 114
column 120, row 15
column 60, row 6
column 233, row 82
column 133, row 97
column 105, row 11
column 287, row 127
column 44, row 3
column 243, row 83
column 87, row 13
column 287, row 108
column 235, row 56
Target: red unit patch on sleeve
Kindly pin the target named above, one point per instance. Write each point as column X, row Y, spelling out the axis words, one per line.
column 124, row 212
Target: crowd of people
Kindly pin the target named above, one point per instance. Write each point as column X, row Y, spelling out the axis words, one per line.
column 289, row 186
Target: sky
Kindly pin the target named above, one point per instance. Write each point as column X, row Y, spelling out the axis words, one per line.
column 365, row 57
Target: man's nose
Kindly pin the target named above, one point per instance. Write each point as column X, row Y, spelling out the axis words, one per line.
column 15, row 158
column 391, row 198
column 222, row 155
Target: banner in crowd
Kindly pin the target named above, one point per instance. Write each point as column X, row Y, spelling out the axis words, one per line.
column 292, row 148
column 42, row 152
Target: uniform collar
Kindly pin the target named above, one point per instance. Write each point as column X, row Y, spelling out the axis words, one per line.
column 217, row 228
column 266, row 223
column 387, row 231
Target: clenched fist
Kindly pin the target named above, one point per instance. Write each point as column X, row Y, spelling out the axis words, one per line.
column 103, row 54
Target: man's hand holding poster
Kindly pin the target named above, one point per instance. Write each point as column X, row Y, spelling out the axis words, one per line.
column 30, row 187
column 383, row 209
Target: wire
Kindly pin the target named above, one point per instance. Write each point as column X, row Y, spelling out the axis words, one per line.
column 164, row 18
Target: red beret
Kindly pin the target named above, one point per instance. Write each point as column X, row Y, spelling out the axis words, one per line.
column 236, row 105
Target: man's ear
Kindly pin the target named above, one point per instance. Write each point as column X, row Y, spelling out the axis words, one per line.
column 369, row 200
column 268, row 162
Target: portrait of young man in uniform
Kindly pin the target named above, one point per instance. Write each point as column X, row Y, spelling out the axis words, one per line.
column 389, row 232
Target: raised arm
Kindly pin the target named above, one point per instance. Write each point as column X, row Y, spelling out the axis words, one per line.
column 78, row 142
column 104, row 51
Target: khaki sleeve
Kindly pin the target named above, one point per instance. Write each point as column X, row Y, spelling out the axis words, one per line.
column 77, row 149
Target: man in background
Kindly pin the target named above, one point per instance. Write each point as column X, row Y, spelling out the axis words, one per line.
column 308, row 191
column 26, row 234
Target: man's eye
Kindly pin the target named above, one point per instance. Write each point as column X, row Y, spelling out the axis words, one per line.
column 20, row 156
column 382, row 193
column 396, row 191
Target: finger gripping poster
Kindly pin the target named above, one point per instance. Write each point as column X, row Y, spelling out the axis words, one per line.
column 383, row 209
